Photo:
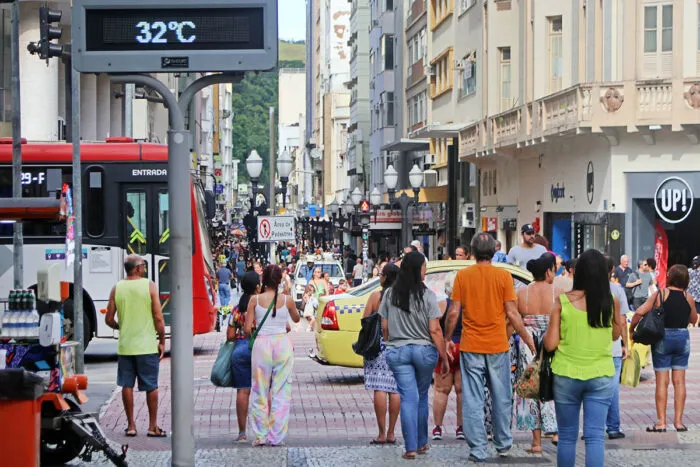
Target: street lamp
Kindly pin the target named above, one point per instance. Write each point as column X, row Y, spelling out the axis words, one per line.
column 375, row 197
column 254, row 165
column 356, row 195
column 284, row 169
column 415, row 178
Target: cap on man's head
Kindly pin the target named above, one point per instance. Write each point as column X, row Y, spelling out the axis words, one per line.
column 527, row 228
column 696, row 261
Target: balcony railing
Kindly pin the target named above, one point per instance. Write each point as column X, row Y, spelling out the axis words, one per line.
column 595, row 107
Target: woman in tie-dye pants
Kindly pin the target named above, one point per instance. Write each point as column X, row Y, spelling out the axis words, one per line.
column 273, row 360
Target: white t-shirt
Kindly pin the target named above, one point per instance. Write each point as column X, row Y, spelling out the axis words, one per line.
column 619, row 293
column 358, row 271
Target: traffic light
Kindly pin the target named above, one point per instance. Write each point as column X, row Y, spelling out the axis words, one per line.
column 49, row 32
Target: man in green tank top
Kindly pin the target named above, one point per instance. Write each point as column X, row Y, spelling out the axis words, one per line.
column 135, row 303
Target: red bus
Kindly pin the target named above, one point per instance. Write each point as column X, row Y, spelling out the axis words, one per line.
column 125, row 210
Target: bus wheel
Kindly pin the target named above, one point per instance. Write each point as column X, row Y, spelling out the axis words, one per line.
column 87, row 324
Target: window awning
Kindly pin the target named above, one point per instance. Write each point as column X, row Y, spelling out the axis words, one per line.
column 439, row 130
column 406, row 144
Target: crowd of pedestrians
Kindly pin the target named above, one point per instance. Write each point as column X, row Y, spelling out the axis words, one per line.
column 476, row 339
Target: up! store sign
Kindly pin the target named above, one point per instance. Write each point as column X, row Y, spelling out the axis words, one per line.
column 673, row 200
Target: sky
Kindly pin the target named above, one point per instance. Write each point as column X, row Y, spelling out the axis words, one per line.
column 292, row 19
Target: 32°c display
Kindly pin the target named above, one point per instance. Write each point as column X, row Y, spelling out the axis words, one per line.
column 174, row 29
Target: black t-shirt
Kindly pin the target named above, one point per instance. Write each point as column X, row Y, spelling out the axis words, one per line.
column 622, row 276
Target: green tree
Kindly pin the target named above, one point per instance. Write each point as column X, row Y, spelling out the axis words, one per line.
column 252, row 98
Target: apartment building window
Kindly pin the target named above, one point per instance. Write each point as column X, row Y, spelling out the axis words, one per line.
column 556, row 61
column 387, row 102
column 443, row 73
column 410, row 52
column 658, row 40
column 388, row 51
column 505, row 79
column 388, row 5
column 464, row 5
column 438, row 146
column 371, row 62
column 421, row 107
column 440, row 10
column 468, row 75
column 423, row 49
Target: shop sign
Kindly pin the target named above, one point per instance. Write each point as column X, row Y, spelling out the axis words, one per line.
column 219, row 189
column 558, row 192
column 578, row 237
column 489, row 224
column 387, row 216
column 590, row 182
column 615, row 234
column 275, row 228
column 673, row 200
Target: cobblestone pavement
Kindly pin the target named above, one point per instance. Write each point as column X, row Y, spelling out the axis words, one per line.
column 332, row 411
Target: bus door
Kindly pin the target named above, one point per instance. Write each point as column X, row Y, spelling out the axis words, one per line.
column 145, row 211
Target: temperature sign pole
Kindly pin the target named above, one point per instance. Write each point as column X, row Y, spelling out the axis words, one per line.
column 128, row 38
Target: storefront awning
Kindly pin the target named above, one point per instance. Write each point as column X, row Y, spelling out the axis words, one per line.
column 406, row 144
column 439, row 130
column 435, row 194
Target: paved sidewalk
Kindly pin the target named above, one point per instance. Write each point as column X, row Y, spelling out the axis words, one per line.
column 332, row 410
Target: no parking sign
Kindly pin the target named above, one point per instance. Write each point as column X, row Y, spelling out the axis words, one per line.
column 276, row 228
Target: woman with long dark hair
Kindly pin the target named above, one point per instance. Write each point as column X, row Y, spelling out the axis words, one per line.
column 534, row 304
column 411, row 328
column 240, row 357
column 272, row 360
column 671, row 353
column 378, row 376
column 583, row 325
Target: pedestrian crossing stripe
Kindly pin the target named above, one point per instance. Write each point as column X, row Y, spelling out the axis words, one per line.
column 349, row 309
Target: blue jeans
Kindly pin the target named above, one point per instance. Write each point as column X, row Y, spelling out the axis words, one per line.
column 413, row 366
column 476, row 368
column 224, row 294
column 613, row 421
column 595, row 394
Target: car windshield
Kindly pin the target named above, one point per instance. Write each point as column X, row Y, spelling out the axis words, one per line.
column 330, row 268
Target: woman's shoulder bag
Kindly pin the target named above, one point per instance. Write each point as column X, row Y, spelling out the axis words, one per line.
column 651, row 328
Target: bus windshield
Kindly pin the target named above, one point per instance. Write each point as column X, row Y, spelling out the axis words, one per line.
column 202, row 228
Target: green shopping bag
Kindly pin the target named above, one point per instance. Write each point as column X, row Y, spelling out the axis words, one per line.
column 221, row 373
column 631, row 370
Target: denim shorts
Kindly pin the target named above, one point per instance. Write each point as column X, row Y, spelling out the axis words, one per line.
column 240, row 365
column 143, row 367
column 672, row 352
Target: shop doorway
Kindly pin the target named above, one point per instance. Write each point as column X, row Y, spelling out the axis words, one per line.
column 683, row 240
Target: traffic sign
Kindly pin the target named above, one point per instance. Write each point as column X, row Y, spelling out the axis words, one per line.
column 131, row 36
column 276, row 228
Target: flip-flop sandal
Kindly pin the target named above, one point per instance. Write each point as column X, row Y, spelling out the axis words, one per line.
column 536, row 450
column 157, row 433
column 411, row 456
column 375, row 442
column 683, row 428
column 655, row 429
column 130, row 433
column 391, row 441
column 424, row 449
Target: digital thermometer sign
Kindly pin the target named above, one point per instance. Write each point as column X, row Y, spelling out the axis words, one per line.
column 182, row 29
column 144, row 36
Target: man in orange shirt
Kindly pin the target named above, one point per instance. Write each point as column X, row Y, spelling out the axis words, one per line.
column 486, row 296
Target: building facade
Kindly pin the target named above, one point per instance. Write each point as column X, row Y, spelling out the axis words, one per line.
column 292, row 114
column 358, row 85
column 589, row 124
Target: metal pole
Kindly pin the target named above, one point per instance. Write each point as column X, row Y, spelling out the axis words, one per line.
column 182, row 371
column 129, row 91
column 67, row 90
column 573, row 229
column 273, row 211
column 17, row 237
column 78, row 315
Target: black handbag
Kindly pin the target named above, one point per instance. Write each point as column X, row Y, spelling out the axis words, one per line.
column 546, row 376
column 368, row 342
column 651, row 328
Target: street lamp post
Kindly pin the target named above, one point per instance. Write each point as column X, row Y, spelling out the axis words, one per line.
column 284, row 169
column 337, row 211
column 415, row 178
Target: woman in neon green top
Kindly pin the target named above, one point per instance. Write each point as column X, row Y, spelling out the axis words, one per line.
column 583, row 325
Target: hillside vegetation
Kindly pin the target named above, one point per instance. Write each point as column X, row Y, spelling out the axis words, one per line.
column 252, row 98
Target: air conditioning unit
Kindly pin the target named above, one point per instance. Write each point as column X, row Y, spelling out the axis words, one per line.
column 430, row 178
column 429, row 160
column 429, row 70
column 459, row 64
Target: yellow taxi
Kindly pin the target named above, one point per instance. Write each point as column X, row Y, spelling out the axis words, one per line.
column 338, row 316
